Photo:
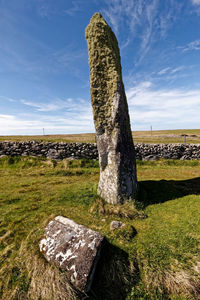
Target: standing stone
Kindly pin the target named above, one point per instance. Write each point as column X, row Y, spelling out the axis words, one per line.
column 118, row 180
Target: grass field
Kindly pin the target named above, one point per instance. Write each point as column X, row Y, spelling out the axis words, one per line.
column 161, row 136
column 158, row 259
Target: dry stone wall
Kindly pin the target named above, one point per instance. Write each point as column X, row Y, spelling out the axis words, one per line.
column 89, row 150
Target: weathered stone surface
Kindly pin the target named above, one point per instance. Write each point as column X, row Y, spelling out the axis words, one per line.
column 118, row 181
column 89, row 150
column 116, row 224
column 73, row 247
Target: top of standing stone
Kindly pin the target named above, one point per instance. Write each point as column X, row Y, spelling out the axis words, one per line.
column 97, row 17
column 100, row 36
column 105, row 70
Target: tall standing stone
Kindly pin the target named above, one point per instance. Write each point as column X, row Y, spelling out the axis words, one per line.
column 118, row 180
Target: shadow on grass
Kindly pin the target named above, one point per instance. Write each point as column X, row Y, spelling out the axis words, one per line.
column 114, row 276
column 152, row 192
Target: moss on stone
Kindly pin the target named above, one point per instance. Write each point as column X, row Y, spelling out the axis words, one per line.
column 105, row 69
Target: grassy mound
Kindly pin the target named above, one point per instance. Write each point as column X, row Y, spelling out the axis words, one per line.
column 159, row 261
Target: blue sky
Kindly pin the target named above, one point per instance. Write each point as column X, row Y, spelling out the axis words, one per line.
column 44, row 73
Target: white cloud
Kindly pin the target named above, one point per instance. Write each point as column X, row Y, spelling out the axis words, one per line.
column 148, row 105
column 163, row 71
column 58, row 116
column 174, row 108
column 42, row 106
column 67, row 105
column 196, row 2
column 169, row 70
column 31, row 124
column 173, row 71
column 10, row 124
column 195, row 45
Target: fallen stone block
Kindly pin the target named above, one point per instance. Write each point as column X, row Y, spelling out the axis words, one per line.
column 74, row 248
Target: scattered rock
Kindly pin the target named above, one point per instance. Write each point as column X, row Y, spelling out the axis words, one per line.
column 53, row 154
column 128, row 232
column 116, row 224
column 74, row 248
column 151, row 157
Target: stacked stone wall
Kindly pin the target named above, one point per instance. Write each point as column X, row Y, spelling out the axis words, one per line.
column 88, row 150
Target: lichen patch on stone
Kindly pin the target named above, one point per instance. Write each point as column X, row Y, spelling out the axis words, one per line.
column 74, row 248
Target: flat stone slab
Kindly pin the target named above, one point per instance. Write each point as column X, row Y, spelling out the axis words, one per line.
column 73, row 247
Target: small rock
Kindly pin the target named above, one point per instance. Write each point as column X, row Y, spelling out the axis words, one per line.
column 150, row 157
column 116, row 224
column 73, row 247
column 53, row 154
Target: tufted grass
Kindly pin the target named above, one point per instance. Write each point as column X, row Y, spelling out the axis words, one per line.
column 151, row 258
column 154, row 137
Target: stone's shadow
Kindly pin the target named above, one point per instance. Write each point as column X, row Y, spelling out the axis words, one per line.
column 114, row 276
column 152, row 192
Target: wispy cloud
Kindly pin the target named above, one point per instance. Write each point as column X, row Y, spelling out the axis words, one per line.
column 163, row 71
column 76, row 6
column 125, row 44
column 7, row 99
column 169, row 70
column 67, row 105
column 151, row 11
column 173, row 71
column 141, row 16
column 67, row 56
column 196, row 2
column 195, row 45
column 45, row 107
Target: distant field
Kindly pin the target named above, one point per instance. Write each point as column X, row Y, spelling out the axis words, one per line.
column 154, row 137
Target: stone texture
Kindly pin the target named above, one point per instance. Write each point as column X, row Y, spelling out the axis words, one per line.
column 116, row 224
column 118, row 182
column 73, row 247
column 88, row 150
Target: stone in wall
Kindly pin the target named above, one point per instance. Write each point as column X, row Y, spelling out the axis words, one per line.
column 118, row 181
column 74, row 248
column 89, row 150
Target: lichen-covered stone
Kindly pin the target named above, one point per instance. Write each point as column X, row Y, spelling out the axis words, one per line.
column 118, row 182
column 73, row 247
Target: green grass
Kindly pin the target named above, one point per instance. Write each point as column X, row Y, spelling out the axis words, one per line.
column 151, row 258
column 154, row 137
